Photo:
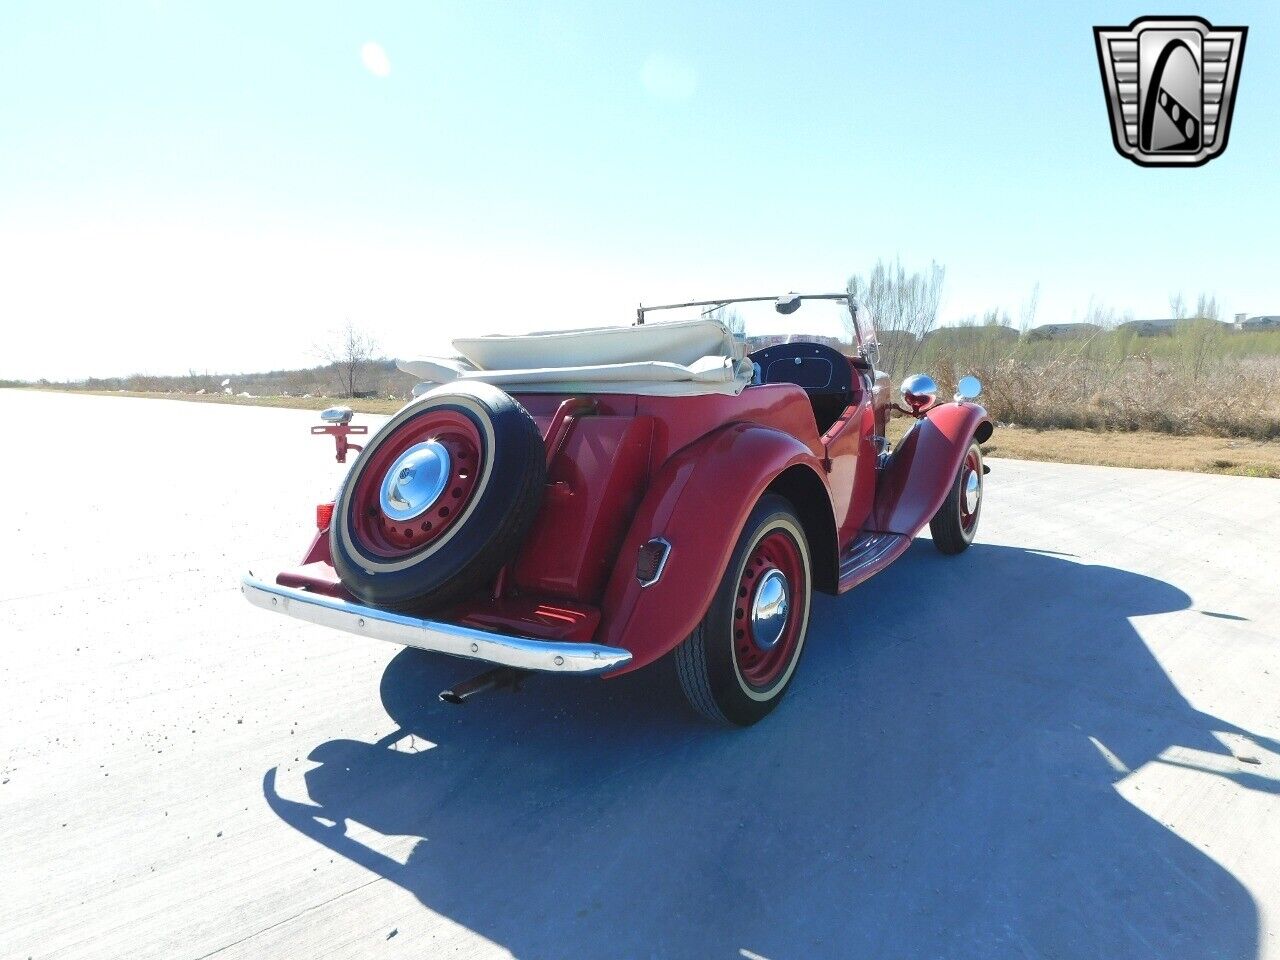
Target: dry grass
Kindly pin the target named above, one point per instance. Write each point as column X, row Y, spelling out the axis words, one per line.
column 1105, row 384
column 375, row 378
column 1242, row 457
column 372, row 405
column 1144, row 449
column 1156, row 451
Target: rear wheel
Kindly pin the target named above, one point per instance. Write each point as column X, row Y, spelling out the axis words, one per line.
column 739, row 661
column 956, row 521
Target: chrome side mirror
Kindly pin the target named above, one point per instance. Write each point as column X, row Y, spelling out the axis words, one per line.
column 919, row 393
column 337, row 415
column 969, row 388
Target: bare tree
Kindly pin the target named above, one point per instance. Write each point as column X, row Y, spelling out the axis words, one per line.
column 1100, row 315
column 1207, row 307
column 349, row 354
column 1027, row 314
column 731, row 318
column 1201, row 334
column 1177, row 306
column 995, row 317
column 904, row 307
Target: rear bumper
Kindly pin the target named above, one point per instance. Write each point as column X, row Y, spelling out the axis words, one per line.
column 524, row 653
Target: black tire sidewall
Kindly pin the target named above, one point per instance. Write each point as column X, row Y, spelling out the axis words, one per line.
column 512, row 470
column 737, row 700
column 949, row 534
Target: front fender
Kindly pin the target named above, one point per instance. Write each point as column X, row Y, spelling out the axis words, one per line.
column 913, row 485
column 697, row 502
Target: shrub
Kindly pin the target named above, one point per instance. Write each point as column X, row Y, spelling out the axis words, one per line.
column 1188, row 384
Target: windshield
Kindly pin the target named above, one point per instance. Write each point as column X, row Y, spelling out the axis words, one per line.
column 760, row 324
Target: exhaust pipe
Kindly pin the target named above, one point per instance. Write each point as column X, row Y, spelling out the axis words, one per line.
column 494, row 679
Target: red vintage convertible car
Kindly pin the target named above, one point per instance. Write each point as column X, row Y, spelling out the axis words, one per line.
column 590, row 501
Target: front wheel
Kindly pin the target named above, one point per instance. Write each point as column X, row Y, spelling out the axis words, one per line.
column 739, row 660
column 956, row 521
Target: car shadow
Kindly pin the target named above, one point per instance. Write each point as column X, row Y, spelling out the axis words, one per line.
column 940, row 781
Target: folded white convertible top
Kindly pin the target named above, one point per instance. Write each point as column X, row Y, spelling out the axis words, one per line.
column 682, row 358
column 681, row 341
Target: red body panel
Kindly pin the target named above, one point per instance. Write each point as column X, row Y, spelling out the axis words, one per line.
column 318, row 552
column 679, row 421
column 698, row 502
column 864, row 485
column 607, row 463
column 913, row 486
column 851, row 458
column 530, row 617
column 593, row 486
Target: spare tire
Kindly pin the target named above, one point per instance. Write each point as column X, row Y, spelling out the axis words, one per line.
column 439, row 500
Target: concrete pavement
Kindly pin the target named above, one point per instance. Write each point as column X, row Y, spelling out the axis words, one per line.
column 1063, row 743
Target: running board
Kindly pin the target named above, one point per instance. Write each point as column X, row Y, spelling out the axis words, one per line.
column 868, row 555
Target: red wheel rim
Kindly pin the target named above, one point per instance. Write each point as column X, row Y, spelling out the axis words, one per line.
column 758, row 664
column 384, row 536
column 972, row 468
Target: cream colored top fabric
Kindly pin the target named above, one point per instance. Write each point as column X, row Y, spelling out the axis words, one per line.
column 683, row 358
column 681, row 341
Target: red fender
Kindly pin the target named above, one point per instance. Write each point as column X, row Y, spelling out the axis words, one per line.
column 912, row 487
column 698, row 502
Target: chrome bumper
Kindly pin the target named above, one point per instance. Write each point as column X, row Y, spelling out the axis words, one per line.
column 524, row 653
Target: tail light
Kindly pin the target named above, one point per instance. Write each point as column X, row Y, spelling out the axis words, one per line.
column 324, row 515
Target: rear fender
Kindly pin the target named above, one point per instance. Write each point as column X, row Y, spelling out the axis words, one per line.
column 698, row 502
column 913, row 485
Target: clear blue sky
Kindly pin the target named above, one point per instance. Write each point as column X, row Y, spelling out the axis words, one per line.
column 217, row 185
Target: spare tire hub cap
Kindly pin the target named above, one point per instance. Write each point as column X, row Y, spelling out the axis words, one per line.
column 415, row 481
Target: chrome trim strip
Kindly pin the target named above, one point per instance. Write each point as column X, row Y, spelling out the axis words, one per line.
column 525, row 653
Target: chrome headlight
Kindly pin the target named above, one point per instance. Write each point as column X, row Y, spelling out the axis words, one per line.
column 969, row 388
column 919, row 392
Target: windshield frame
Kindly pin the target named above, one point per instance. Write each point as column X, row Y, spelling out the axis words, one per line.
column 863, row 325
